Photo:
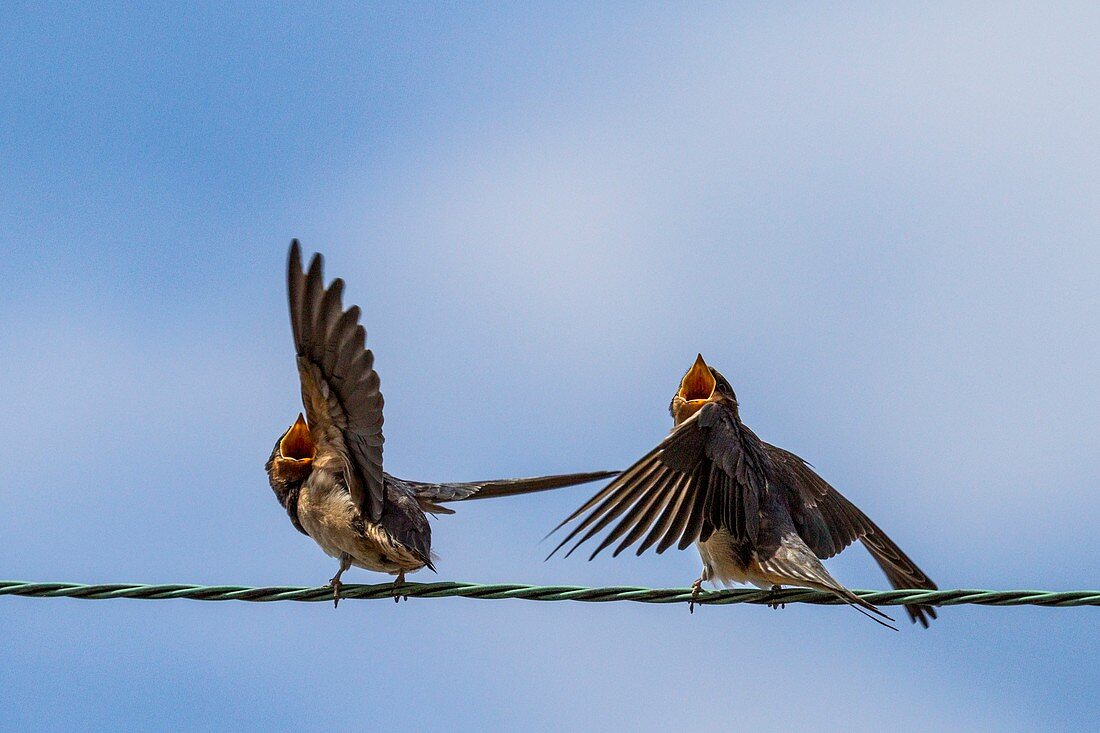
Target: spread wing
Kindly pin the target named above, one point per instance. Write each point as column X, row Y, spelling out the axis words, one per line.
column 502, row 487
column 340, row 389
column 828, row 523
column 431, row 496
column 702, row 477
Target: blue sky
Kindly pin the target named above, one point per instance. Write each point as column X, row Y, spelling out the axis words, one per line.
column 880, row 223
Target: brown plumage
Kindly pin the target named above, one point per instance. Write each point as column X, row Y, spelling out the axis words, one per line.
column 758, row 513
column 326, row 469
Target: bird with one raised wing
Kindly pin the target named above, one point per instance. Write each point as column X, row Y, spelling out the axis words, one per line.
column 326, row 469
column 757, row 513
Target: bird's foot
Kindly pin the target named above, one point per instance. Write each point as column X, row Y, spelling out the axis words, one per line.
column 775, row 589
column 399, row 581
column 336, row 586
column 696, row 589
column 345, row 563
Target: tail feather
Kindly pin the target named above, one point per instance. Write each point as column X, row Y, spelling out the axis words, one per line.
column 795, row 564
column 859, row 604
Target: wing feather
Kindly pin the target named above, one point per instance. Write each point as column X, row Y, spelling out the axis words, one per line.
column 678, row 526
column 648, row 497
column 607, row 512
column 680, row 492
column 660, row 502
column 693, row 530
column 494, row 488
column 828, row 522
column 668, row 517
column 340, row 389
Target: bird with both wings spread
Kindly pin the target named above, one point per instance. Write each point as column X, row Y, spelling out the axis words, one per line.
column 326, row 469
column 756, row 512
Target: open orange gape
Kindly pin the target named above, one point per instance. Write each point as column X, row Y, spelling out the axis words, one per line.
column 698, row 384
column 697, row 388
column 296, row 450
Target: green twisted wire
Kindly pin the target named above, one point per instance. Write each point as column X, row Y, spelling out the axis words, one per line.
column 959, row 597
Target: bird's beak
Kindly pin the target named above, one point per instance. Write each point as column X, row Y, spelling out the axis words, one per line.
column 698, row 384
column 297, row 444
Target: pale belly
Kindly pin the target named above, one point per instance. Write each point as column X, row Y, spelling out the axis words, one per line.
column 329, row 518
column 722, row 565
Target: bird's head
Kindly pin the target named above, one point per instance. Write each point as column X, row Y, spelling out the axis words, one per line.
column 291, row 460
column 701, row 384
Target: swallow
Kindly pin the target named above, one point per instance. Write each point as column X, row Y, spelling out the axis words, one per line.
column 757, row 513
column 326, row 468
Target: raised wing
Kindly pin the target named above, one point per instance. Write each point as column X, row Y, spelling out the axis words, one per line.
column 828, row 522
column 340, row 389
column 702, row 477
